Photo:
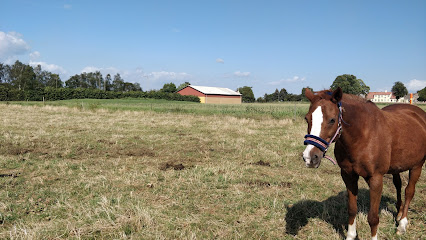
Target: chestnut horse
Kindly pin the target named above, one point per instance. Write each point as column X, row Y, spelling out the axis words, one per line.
column 370, row 142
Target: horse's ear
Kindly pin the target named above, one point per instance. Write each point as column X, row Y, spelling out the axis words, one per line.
column 309, row 94
column 337, row 95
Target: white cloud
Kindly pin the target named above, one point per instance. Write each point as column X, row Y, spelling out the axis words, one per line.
column 49, row 67
column 163, row 75
column 220, row 60
column 415, row 85
column 67, row 6
column 11, row 45
column 294, row 79
column 35, row 55
column 90, row 69
column 110, row 70
column 241, row 74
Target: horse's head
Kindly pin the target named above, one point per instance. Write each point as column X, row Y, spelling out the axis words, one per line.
column 323, row 121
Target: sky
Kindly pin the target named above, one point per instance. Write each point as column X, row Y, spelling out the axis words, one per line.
column 265, row 45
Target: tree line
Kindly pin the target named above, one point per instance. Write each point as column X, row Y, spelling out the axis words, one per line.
column 20, row 82
column 24, row 82
column 348, row 83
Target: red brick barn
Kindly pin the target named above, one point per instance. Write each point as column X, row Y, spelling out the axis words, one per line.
column 212, row 94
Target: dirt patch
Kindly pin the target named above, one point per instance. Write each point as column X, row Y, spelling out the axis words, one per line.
column 329, row 171
column 136, row 152
column 12, row 175
column 262, row 163
column 8, row 148
column 168, row 165
column 259, row 183
column 262, row 183
column 285, row 184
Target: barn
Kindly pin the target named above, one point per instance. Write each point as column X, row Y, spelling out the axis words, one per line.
column 214, row 95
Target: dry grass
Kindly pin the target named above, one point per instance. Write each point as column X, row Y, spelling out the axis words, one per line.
column 68, row 173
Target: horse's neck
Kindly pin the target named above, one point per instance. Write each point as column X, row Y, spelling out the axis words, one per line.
column 356, row 115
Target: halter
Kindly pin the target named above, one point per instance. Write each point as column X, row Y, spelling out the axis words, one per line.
column 322, row 144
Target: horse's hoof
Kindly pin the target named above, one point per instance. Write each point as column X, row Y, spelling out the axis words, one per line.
column 402, row 228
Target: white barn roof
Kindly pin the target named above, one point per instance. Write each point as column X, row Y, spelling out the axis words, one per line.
column 215, row 90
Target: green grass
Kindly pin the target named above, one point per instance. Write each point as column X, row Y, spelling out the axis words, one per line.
column 115, row 169
column 254, row 110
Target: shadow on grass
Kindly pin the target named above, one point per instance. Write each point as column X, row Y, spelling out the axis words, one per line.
column 333, row 210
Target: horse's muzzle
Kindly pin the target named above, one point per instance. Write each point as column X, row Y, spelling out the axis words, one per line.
column 312, row 158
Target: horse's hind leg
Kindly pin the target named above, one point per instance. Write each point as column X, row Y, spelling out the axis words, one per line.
column 397, row 182
column 409, row 193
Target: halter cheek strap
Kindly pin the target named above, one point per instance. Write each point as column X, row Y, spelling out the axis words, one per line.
column 322, row 144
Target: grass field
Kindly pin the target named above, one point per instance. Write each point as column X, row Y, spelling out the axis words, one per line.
column 144, row 169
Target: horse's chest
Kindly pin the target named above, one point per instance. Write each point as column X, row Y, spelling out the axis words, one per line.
column 364, row 164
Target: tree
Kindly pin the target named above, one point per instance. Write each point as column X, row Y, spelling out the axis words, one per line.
column 118, row 83
column 247, row 93
column 183, row 85
column 53, row 80
column 128, row 87
column 73, row 82
column 272, row 97
column 169, row 87
column 276, row 95
column 399, row 90
column 47, row 79
column 4, row 74
column 282, row 95
column 422, row 95
column 107, row 84
column 22, row 76
column 350, row 84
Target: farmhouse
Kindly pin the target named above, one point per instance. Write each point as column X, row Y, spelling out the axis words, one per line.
column 381, row 97
column 214, row 95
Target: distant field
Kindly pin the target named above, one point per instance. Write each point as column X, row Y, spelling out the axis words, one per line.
column 253, row 110
column 149, row 169
column 246, row 110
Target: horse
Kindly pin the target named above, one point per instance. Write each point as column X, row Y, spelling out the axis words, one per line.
column 369, row 142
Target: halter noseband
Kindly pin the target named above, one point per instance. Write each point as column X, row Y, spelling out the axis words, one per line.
column 322, row 144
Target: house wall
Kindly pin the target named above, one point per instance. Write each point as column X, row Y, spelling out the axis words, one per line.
column 222, row 99
column 213, row 99
column 383, row 98
column 191, row 91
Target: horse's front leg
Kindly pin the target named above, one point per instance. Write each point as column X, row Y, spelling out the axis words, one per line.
column 351, row 182
column 376, row 186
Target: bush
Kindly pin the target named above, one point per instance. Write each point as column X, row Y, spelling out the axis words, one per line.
column 54, row 94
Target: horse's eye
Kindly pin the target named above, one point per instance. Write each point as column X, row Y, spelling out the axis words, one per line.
column 332, row 121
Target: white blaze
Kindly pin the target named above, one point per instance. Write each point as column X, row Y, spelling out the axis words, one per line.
column 317, row 119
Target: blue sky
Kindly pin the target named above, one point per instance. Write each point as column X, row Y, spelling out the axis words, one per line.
column 267, row 45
